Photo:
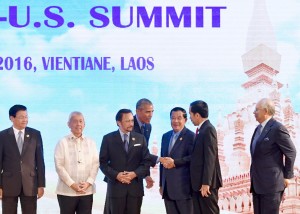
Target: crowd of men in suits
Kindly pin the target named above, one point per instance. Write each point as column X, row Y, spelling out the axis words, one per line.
column 190, row 174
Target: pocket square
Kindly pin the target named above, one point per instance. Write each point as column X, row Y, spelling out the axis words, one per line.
column 138, row 144
column 266, row 139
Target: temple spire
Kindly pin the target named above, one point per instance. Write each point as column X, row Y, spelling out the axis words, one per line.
column 260, row 29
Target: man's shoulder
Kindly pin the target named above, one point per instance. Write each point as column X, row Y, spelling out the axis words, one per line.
column 111, row 134
column 136, row 134
column 29, row 129
column 189, row 132
column 5, row 131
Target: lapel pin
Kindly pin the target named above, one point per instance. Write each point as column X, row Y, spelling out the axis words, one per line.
column 133, row 138
column 180, row 138
column 27, row 135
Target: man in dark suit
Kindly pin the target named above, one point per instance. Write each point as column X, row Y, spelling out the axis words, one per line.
column 21, row 164
column 142, row 119
column 125, row 161
column 205, row 167
column 174, row 182
column 273, row 155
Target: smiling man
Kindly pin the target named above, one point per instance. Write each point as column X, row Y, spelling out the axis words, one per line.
column 177, row 147
column 77, row 164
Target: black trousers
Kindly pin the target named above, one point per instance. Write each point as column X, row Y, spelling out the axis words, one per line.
column 266, row 203
column 206, row 205
column 125, row 205
column 10, row 204
column 177, row 206
column 75, row 204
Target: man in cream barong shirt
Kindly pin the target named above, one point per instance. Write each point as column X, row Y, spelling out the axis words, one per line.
column 77, row 163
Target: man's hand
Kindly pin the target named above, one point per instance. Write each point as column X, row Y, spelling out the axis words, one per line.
column 205, row 191
column 160, row 191
column 77, row 188
column 84, row 185
column 123, row 178
column 149, row 181
column 130, row 175
column 167, row 162
column 286, row 182
column 40, row 192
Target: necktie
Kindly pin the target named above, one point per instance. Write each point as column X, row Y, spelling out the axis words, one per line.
column 126, row 142
column 197, row 130
column 20, row 142
column 256, row 136
column 143, row 129
column 172, row 142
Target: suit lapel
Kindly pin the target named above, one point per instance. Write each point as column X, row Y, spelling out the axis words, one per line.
column 27, row 137
column 119, row 141
column 264, row 132
column 168, row 139
column 178, row 140
column 12, row 139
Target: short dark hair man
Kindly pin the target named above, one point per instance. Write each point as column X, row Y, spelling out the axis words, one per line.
column 125, row 161
column 21, row 164
column 205, row 168
column 177, row 147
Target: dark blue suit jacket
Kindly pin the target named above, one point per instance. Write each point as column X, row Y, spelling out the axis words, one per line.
column 114, row 159
column 147, row 133
column 268, row 169
column 177, row 180
column 21, row 172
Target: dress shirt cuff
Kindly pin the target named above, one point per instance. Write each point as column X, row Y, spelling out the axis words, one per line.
column 90, row 180
column 70, row 182
column 157, row 160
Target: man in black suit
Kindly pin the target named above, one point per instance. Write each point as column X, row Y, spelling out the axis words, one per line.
column 205, row 167
column 125, row 161
column 21, row 164
column 174, row 182
column 142, row 119
column 273, row 155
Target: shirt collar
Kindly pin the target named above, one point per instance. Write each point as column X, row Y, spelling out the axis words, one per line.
column 201, row 124
column 265, row 122
column 122, row 133
column 71, row 136
column 16, row 131
column 139, row 122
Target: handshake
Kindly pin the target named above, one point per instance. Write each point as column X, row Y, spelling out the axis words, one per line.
column 167, row 162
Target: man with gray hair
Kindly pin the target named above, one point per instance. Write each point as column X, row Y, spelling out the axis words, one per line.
column 273, row 155
column 77, row 163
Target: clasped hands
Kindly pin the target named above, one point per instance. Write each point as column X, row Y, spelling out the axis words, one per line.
column 126, row 177
column 81, row 187
column 167, row 162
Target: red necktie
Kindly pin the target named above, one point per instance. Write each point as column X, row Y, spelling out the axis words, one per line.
column 197, row 130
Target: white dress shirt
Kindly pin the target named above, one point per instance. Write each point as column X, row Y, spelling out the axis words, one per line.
column 76, row 160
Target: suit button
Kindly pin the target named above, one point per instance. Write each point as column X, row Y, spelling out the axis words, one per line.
column 20, row 162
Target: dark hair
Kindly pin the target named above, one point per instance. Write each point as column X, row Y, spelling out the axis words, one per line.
column 179, row 109
column 199, row 107
column 14, row 109
column 120, row 113
column 143, row 101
